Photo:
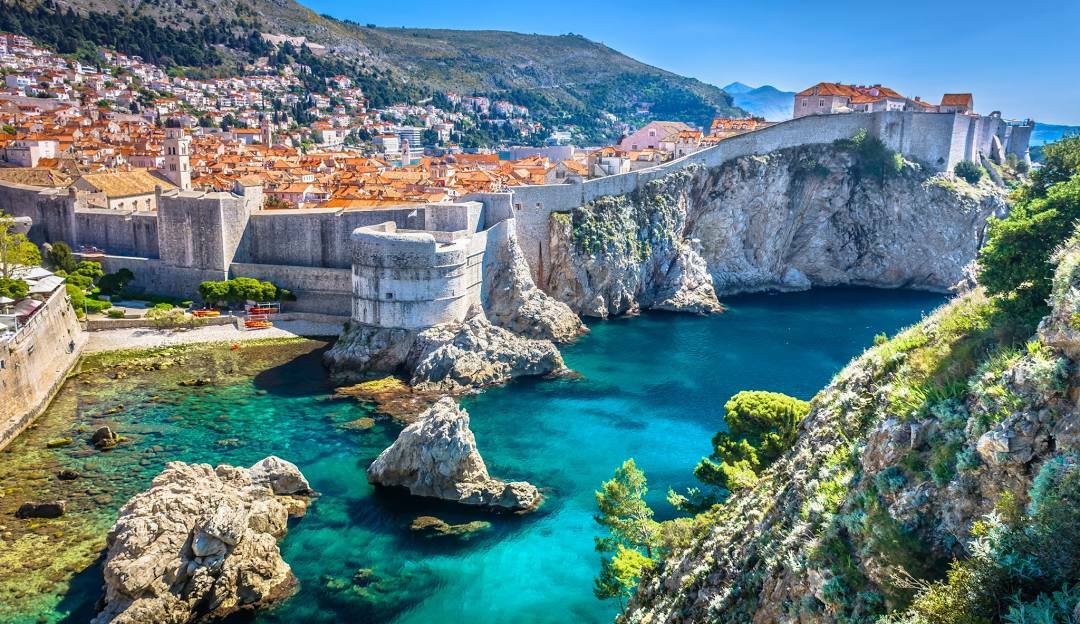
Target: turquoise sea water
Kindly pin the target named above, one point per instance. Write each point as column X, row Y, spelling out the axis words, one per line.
column 651, row 387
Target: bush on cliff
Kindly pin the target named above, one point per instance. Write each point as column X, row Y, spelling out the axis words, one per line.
column 968, row 171
column 872, row 157
column 1015, row 262
column 761, row 426
column 1018, row 571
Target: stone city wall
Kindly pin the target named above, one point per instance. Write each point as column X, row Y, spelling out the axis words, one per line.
column 35, row 362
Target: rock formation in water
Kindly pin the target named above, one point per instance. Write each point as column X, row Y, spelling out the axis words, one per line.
column 436, row 456
column 449, row 358
column 201, row 543
column 789, row 220
column 913, row 446
column 512, row 300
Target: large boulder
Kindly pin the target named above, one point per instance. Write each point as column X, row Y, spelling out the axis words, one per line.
column 436, row 456
column 458, row 357
column 451, row 358
column 201, row 543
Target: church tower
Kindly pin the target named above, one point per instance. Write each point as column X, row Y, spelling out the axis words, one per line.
column 266, row 131
column 178, row 157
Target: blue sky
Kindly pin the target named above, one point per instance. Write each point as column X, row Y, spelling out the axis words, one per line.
column 1022, row 58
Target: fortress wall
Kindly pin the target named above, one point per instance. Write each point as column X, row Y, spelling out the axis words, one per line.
column 315, row 238
column 1018, row 142
column 461, row 217
column 51, row 211
column 409, row 280
column 932, row 138
column 326, row 291
column 191, row 231
column 35, row 363
column 156, row 277
column 497, row 206
column 124, row 233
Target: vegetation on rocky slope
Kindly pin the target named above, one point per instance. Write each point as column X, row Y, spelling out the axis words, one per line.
column 936, row 479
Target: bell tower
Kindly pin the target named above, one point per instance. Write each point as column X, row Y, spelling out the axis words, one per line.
column 178, row 157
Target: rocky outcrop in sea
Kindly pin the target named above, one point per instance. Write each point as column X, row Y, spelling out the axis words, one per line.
column 451, row 358
column 436, row 456
column 201, row 543
column 788, row 220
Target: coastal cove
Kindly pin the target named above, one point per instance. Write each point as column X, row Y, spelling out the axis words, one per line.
column 651, row 387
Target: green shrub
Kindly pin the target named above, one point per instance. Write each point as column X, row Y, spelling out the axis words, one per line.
column 761, row 426
column 969, row 171
column 115, row 314
column 13, row 288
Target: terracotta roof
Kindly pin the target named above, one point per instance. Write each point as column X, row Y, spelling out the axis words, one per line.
column 843, row 90
column 125, row 183
column 957, row 99
column 36, row 176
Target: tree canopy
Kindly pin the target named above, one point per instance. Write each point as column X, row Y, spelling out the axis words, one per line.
column 761, row 426
column 632, row 533
column 15, row 249
column 1014, row 265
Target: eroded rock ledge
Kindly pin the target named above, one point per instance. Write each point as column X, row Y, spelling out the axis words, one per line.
column 436, row 457
column 201, row 543
column 452, row 358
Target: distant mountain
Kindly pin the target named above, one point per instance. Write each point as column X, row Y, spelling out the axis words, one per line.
column 766, row 101
column 1048, row 133
column 563, row 79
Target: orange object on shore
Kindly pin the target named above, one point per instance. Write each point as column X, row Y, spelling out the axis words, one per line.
column 206, row 313
column 235, row 346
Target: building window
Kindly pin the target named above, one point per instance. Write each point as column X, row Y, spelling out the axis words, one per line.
column 389, row 295
column 804, row 103
column 820, row 103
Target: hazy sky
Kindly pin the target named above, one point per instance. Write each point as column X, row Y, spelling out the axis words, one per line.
column 1022, row 58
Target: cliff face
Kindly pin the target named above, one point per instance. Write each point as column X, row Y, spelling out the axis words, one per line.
column 909, row 445
column 801, row 217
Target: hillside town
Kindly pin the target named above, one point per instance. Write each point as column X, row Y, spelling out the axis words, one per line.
column 103, row 130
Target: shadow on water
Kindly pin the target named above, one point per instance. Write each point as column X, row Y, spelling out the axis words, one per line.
column 80, row 602
column 301, row 376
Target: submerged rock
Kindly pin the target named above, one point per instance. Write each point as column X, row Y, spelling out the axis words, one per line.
column 68, row 475
column 104, row 439
column 436, row 456
column 450, row 358
column 201, row 543
column 432, row 526
column 53, row 509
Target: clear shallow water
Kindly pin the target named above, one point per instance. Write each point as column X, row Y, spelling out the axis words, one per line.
column 652, row 388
